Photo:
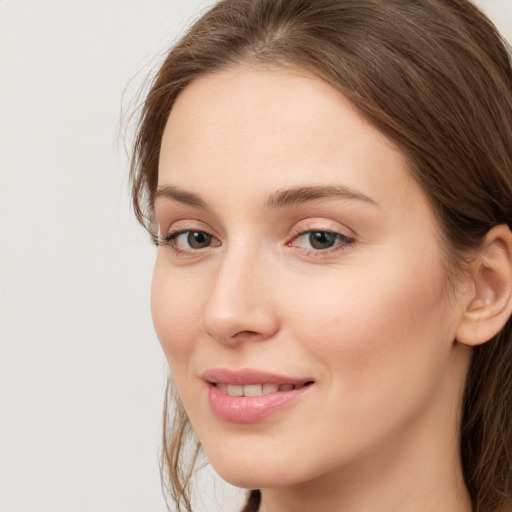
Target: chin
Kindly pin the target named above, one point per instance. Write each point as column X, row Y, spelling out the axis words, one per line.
column 242, row 481
column 253, row 478
column 257, row 471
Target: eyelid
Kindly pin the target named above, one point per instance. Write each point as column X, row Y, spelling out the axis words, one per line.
column 181, row 227
column 341, row 236
column 323, row 226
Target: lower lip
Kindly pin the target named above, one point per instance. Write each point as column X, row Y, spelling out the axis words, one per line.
column 250, row 409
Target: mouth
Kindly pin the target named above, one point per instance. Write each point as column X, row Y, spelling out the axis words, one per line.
column 249, row 396
column 262, row 389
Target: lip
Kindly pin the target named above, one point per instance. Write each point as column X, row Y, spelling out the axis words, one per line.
column 250, row 409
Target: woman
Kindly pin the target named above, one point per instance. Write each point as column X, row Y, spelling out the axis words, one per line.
column 329, row 183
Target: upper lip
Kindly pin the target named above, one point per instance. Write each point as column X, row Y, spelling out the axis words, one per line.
column 248, row 376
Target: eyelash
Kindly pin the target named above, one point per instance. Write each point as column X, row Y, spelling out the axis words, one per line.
column 307, row 229
column 342, row 241
column 171, row 237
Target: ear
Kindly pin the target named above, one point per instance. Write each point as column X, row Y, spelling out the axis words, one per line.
column 489, row 303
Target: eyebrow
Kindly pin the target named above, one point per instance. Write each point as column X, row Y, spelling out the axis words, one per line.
column 177, row 194
column 278, row 199
column 298, row 195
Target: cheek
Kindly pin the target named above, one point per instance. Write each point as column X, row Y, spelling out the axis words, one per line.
column 383, row 343
column 175, row 308
column 383, row 325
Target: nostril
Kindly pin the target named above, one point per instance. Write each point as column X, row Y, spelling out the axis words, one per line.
column 246, row 334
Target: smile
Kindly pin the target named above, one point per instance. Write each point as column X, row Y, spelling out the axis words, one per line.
column 256, row 389
column 249, row 396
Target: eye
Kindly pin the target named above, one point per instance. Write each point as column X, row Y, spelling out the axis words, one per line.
column 319, row 240
column 191, row 240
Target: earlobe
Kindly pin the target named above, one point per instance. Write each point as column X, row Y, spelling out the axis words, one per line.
column 489, row 305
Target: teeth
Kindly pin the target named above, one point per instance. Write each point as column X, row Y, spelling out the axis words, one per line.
column 270, row 388
column 253, row 389
column 222, row 387
column 235, row 390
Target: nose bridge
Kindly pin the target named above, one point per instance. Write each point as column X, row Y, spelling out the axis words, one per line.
column 239, row 306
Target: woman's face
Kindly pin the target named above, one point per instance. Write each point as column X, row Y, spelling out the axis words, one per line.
column 300, row 266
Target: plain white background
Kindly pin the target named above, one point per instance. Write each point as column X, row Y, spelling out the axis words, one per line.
column 81, row 372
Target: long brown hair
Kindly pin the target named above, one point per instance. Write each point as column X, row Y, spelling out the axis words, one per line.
column 435, row 77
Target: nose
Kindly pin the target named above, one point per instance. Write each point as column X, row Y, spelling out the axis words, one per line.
column 239, row 306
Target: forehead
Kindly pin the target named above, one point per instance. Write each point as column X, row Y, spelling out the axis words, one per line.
column 251, row 130
column 253, row 102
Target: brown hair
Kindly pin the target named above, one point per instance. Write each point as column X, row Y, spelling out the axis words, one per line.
column 435, row 77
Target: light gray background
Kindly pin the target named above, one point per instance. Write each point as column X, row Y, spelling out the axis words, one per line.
column 81, row 372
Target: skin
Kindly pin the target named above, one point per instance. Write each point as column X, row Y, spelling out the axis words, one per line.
column 371, row 320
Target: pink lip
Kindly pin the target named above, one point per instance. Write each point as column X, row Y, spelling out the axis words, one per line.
column 250, row 409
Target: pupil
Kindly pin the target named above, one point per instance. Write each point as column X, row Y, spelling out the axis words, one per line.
column 198, row 239
column 321, row 239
